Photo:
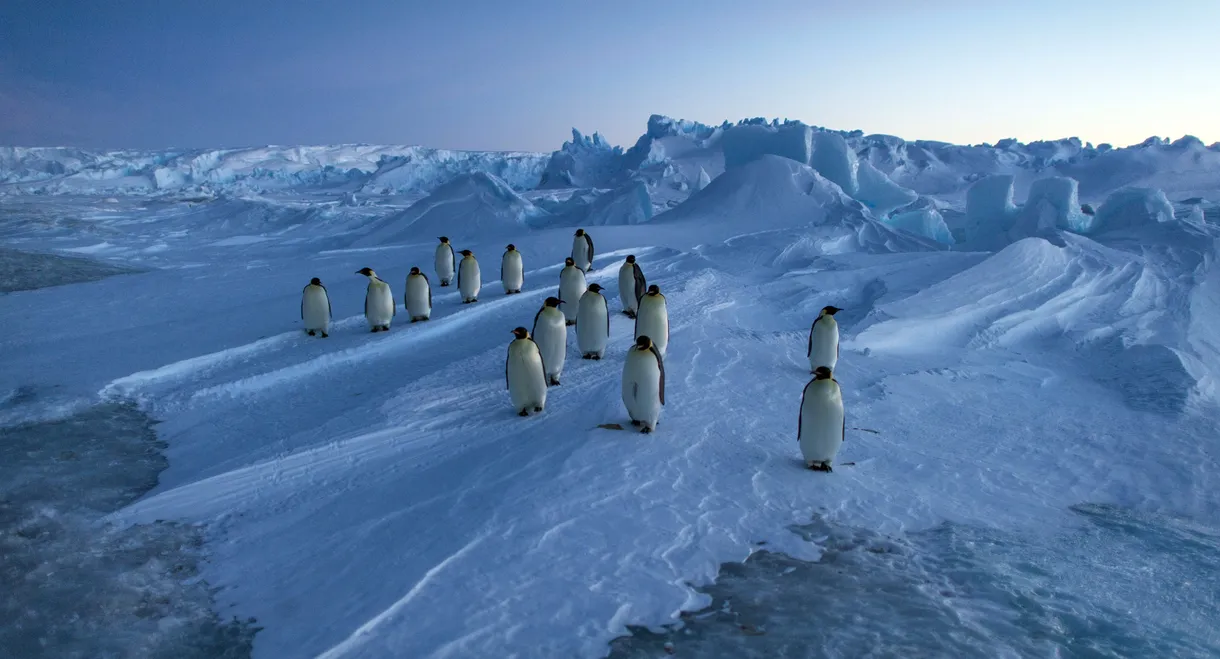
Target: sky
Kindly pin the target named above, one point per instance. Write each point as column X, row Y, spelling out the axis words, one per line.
column 520, row 74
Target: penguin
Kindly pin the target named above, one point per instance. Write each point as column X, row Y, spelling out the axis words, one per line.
column 444, row 261
column 631, row 285
column 571, row 286
column 315, row 308
column 379, row 306
column 820, row 426
column 512, row 272
column 592, row 323
column 418, row 298
column 582, row 250
column 550, row 334
column 823, row 347
column 469, row 279
column 524, row 374
column 652, row 319
column 644, row 383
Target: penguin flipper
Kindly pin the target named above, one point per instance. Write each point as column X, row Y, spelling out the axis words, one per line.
column 809, row 350
column 534, row 329
column 366, row 301
column 801, row 414
column 641, row 285
column 589, row 241
column 506, row 360
column 429, row 283
column 607, row 305
column 660, row 365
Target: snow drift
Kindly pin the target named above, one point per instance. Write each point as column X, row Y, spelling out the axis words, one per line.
column 470, row 206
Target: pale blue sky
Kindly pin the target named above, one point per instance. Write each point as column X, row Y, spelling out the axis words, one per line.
column 519, row 74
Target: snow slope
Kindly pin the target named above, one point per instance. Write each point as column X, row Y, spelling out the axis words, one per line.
column 374, row 495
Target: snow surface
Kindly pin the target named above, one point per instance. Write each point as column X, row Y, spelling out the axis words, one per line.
column 1014, row 413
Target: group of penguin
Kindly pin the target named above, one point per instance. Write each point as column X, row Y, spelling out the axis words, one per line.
column 536, row 357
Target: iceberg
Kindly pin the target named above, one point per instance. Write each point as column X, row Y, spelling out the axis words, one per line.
column 990, row 209
column 1053, row 203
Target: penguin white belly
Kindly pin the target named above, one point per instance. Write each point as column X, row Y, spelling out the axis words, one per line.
column 626, row 287
column 580, row 253
column 825, row 344
column 652, row 320
column 642, row 387
column 469, row 280
column 526, row 382
column 592, row 331
column 444, row 263
column 417, row 298
column 316, row 310
column 571, row 287
column 380, row 309
column 821, row 421
column 514, row 272
column 551, row 335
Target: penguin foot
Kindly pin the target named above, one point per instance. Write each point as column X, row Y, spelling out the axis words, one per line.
column 569, row 323
column 554, row 382
column 820, row 466
column 311, row 332
column 537, row 409
column 634, row 422
column 325, row 335
column 523, row 413
column 444, row 283
column 595, row 357
column 646, row 430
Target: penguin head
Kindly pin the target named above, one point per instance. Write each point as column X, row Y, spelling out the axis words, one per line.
column 521, row 333
column 569, row 261
column 552, row 302
column 466, row 252
column 631, row 258
column 315, row 282
column 596, row 288
column 821, row 373
column 580, row 232
column 414, row 271
column 511, row 247
column 830, row 311
column 367, row 272
column 643, row 343
column 444, row 240
column 654, row 290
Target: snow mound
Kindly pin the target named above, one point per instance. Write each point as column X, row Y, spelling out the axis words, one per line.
column 471, row 205
column 1132, row 207
column 774, row 193
column 629, row 204
column 1053, row 203
column 925, row 222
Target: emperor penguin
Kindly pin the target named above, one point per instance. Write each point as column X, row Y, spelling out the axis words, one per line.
column 820, row 426
column 644, row 383
column 469, row 279
column 445, row 261
column 631, row 285
column 524, row 374
column 379, row 306
column 315, row 308
column 652, row 319
column 592, row 323
column 418, row 298
column 512, row 271
column 571, row 286
column 823, row 347
column 582, row 250
column 551, row 335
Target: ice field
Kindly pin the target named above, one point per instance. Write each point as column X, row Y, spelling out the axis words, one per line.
column 1029, row 363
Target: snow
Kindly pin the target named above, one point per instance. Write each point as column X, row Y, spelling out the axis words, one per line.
column 1031, row 425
